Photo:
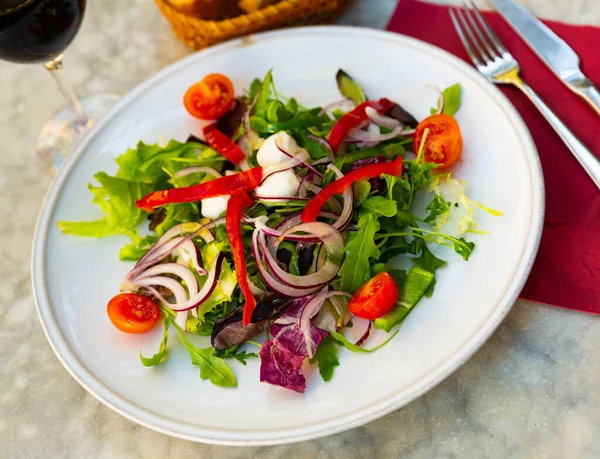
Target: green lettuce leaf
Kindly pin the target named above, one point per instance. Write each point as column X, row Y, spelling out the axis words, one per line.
column 116, row 197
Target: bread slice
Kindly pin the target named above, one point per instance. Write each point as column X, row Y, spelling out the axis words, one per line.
column 212, row 10
column 250, row 6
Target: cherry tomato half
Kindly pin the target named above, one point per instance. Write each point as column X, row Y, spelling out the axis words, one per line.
column 375, row 298
column 211, row 98
column 133, row 313
column 444, row 142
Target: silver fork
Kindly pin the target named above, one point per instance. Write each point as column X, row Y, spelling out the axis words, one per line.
column 494, row 61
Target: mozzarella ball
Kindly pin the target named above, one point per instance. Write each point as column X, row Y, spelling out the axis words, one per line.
column 213, row 207
column 284, row 184
column 270, row 155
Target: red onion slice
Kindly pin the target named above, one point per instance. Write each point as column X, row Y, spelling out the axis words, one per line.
column 197, row 170
column 333, row 244
column 260, row 223
column 281, row 198
column 294, row 161
column 175, row 269
column 440, row 99
column 348, row 208
column 372, row 136
column 206, row 290
column 273, row 283
column 311, row 309
column 250, row 137
column 345, row 105
column 363, row 328
column 302, row 153
column 382, row 120
column 158, row 253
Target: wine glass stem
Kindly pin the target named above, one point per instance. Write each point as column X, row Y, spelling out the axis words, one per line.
column 56, row 70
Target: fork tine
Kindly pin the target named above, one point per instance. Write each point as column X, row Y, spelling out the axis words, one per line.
column 489, row 48
column 459, row 30
column 461, row 17
column 489, row 32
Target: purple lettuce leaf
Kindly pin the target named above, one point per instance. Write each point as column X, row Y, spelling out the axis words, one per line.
column 281, row 367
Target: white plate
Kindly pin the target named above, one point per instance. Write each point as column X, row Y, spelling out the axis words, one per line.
column 73, row 278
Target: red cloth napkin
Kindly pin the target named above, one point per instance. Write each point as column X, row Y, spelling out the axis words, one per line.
column 567, row 269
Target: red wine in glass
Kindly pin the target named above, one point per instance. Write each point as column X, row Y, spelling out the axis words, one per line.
column 38, row 31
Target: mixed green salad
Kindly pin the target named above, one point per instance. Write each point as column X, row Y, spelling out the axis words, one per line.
column 280, row 227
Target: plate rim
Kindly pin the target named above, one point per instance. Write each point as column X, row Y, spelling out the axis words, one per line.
column 349, row 420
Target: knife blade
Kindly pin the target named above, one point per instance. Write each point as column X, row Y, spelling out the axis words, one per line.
column 550, row 48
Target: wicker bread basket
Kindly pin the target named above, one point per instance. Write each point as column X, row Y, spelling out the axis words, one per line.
column 198, row 33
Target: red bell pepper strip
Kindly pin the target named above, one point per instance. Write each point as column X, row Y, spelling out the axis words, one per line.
column 312, row 209
column 233, row 218
column 355, row 118
column 247, row 180
column 223, row 144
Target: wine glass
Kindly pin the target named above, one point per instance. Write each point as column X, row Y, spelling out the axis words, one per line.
column 38, row 31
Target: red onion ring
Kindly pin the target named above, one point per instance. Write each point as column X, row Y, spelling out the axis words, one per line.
column 286, row 165
column 344, row 104
column 348, row 209
column 303, row 163
column 382, row 120
column 273, row 283
column 333, row 244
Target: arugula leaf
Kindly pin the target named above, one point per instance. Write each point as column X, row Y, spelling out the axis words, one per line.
column 306, row 121
column 211, row 367
column 275, row 112
column 292, row 106
column 394, row 150
column 232, row 353
column 428, row 261
column 354, row 348
column 116, row 197
column 461, row 246
column 264, row 93
column 417, row 283
column 326, row 357
column 315, row 149
column 362, row 188
column 162, row 351
column 379, row 206
column 451, row 96
column 355, row 269
column 350, row 88
column 399, row 189
column 254, row 88
column 436, row 207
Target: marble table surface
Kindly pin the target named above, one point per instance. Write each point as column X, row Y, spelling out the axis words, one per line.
column 531, row 392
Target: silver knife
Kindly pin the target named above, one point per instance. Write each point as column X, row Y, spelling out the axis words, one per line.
column 552, row 49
